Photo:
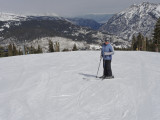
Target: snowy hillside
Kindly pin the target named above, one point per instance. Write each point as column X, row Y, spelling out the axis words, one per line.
column 137, row 18
column 16, row 17
column 11, row 17
column 62, row 86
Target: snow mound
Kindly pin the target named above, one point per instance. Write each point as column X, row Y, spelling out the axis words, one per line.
column 62, row 86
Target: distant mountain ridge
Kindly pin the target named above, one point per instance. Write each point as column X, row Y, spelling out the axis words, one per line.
column 98, row 17
column 85, row 23
column 17, row 17
column 93, row 21
column 135, row 19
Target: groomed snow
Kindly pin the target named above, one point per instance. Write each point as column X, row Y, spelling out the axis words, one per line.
column 62, row 86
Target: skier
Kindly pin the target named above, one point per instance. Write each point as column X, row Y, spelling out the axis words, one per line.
column 107, row 52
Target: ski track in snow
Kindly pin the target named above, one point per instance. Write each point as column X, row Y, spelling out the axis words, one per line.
column 62, row 86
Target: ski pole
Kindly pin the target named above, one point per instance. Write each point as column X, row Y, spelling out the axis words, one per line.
column 98, row 67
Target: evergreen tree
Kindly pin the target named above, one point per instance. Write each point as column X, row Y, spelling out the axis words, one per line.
column 144, row 44
column 14, row 50
column 147, row 44
column 10, row 50
column 151, row 46
column 134, row 42
column 156, row 35
column 39, row 50
column 51, row 46
column 140, row 39
column 1, row 51
column 74, row 48
column 31, row 50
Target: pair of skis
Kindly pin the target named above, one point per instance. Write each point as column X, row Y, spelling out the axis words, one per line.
column 108, row 77
column 99, row 78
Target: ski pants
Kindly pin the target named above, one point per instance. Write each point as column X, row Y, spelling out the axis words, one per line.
column 107, row 68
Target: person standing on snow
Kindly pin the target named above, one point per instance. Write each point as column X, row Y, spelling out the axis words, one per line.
column 107, row 52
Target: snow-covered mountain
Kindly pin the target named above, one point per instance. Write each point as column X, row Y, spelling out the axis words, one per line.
column 11, row 17
column 137, row 18
column 42, row 28
column 62, row 86
column 17, row 17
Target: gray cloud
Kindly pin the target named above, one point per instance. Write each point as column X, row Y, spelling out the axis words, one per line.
column 67, row 7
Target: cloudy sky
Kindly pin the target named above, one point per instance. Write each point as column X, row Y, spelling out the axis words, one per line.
column 67, row 7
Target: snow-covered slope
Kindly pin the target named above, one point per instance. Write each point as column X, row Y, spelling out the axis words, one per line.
column 11, row 17
column 137, row 18
column 62, row 86
column 16, row 17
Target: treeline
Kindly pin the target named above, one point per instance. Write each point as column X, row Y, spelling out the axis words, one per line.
column 12, row 50
column 32, row 50
column 156, row 36
column 55, row 47
column 142, row 43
